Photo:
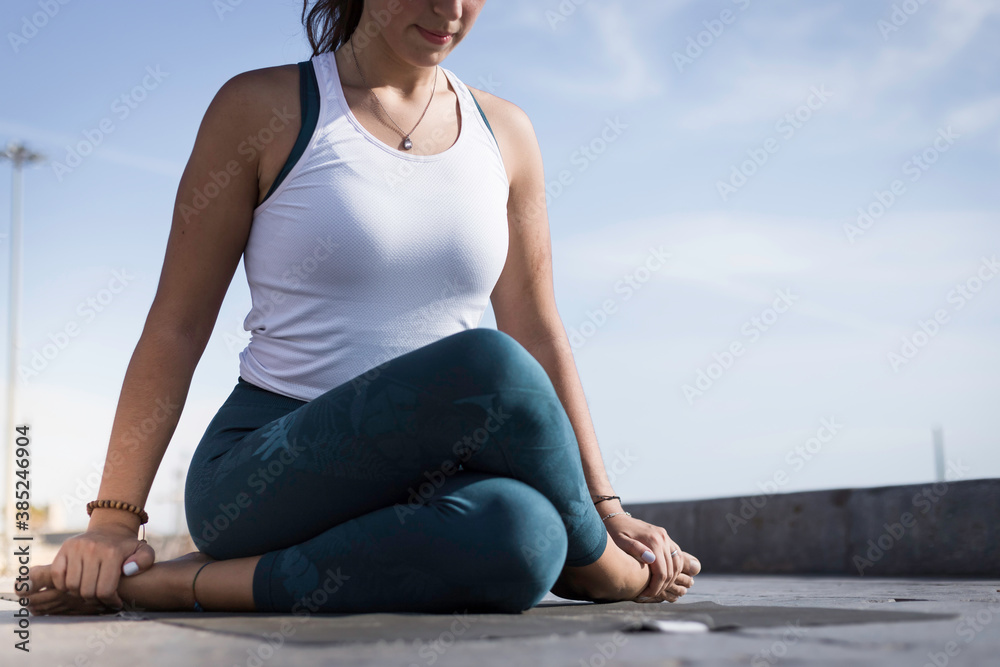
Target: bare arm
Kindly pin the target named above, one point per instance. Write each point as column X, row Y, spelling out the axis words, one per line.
column 525, row 307
column 524, row 300
column 203, row 250
column 206, row 241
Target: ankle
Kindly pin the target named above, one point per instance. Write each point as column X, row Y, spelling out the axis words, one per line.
column 192, row 599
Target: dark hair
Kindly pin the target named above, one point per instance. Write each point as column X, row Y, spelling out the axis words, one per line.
column 330, row 23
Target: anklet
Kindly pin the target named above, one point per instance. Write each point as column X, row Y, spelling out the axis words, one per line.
column 603, row 498
column 197, row 606
column 614, row 514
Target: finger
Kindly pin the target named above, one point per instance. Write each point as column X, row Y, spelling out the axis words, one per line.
column 660, row 571
column 39, row 578
column 143, row 557
column 106, row 589
column 676, row 560
column 637, row 550
column 89, row 570
column 43, row 597
column 670, row 561
column 74, row 570
column 58, row 571
column 53, row 606
column 684, row 581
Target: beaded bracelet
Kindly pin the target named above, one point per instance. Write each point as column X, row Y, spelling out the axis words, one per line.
column 118, row 505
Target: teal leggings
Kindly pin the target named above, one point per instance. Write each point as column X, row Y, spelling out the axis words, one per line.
column 446, row 479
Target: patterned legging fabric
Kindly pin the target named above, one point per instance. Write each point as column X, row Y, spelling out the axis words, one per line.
column 448, row 478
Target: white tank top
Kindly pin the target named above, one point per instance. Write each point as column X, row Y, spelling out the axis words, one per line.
column 364, row 252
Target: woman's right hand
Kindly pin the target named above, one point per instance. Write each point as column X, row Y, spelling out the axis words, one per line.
column 680, row 585
column 89, row 565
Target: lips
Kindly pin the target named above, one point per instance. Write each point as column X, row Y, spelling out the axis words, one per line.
column 437, row 34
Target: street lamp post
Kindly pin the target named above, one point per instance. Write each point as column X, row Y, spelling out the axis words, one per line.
column 19, row 155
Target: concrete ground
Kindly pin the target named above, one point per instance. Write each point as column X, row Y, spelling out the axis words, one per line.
column 754, row 620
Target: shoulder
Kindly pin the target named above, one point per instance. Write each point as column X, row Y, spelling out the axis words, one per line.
column 514, row 132
column 249, row 98
column 257, row 87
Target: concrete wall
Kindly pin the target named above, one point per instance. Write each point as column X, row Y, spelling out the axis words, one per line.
column 948, row 528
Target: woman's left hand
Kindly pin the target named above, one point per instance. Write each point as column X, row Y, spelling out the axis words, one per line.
column 652, row 546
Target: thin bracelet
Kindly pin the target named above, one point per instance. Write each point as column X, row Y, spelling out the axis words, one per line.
column 613, row 514
column 197, row 606
column 603, row 498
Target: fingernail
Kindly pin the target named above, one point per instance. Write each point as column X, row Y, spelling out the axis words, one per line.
column 648, row 556
column 130, row 568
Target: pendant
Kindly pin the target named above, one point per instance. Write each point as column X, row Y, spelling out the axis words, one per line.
column 407, row 144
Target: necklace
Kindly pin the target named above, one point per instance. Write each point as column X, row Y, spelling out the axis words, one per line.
column 407, row 144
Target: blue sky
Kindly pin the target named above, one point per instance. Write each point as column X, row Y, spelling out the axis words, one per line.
column 740, row 138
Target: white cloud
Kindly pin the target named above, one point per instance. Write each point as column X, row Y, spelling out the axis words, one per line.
column 977, row 116
column 610, row 40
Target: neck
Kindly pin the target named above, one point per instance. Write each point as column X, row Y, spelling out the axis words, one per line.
column 382, row 69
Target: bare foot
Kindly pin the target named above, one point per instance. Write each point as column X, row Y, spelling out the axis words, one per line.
column 617, row 576
column 166, row 586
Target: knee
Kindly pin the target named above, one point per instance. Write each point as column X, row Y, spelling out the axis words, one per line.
column 530, row 543
column 497, row 360
column 497, row 364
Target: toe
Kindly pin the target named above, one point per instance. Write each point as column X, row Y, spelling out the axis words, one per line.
column 693, row 565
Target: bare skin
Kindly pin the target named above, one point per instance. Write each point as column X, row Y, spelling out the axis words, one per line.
column 227, row 585
column 617, row 576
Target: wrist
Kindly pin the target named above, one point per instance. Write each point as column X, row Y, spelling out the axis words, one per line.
column 606, row 507
column 105, row 517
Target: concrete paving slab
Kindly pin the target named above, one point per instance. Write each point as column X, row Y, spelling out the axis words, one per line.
column 792, row 620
